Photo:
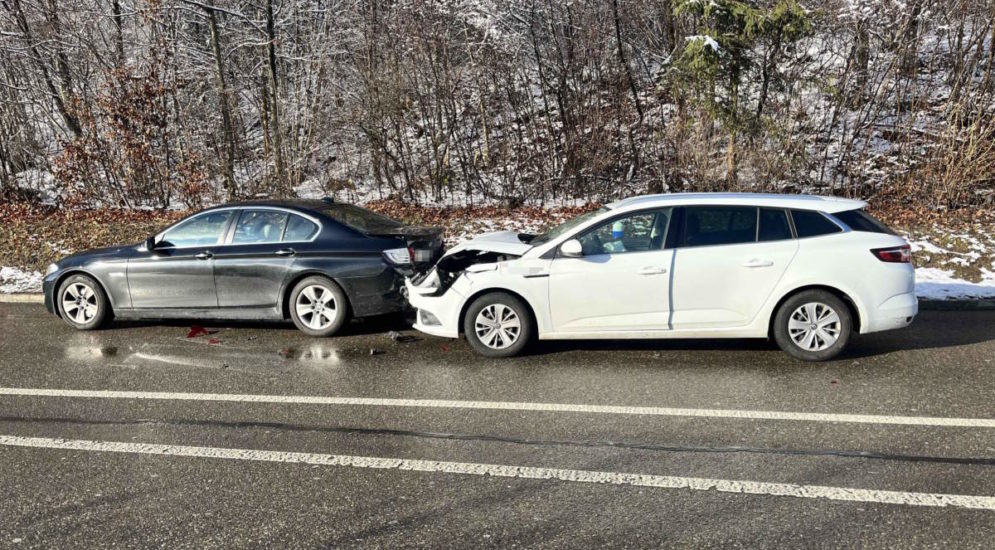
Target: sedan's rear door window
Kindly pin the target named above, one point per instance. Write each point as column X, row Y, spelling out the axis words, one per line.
column 809, row 223
column 260, row 227
column 299, row 229
column 715, row 225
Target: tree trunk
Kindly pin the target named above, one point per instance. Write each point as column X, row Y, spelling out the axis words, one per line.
column 231, row 188
column 119, row 34
column 275, row 126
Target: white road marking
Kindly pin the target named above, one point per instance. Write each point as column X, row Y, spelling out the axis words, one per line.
column 512, row 406
column 525, row 472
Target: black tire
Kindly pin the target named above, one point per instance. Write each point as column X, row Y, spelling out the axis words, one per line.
column 807, row 348
column 331, row 293
column 82, row 302
column 498, row 301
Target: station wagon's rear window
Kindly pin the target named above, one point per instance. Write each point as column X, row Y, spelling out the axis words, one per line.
column 773, row 225
column 858, row 220
column 712, row 225
column 809, row 223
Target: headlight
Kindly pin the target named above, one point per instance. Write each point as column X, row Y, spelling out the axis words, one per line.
column 52, row 268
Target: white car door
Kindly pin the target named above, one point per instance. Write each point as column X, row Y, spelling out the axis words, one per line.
column 730, row 260
column 621, row 283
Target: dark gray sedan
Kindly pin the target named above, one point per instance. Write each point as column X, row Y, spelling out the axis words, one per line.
column 317, row 263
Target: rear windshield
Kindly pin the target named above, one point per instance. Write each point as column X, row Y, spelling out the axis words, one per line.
column 858, row 220
column 358, row 218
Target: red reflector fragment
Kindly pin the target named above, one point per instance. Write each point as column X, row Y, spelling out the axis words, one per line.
column 896, row 255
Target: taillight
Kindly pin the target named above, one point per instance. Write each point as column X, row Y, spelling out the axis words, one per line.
column 895, row 255
column 398, row 256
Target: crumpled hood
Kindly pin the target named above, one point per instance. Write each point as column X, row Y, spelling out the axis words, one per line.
column 502, row 242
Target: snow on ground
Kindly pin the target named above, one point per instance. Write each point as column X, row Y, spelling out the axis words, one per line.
column 940, row 284
column 16, row 281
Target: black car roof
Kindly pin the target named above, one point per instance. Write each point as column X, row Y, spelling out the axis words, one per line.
column 312, row 206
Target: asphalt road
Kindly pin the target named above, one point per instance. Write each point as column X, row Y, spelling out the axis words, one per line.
column 733, row 443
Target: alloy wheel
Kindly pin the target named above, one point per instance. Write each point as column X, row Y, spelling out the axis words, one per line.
column 814, row 326
column 498, row 326
column 316, row 307
column 79, row 302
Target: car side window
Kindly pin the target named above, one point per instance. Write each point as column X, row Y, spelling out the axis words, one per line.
column 299, row 229
column 260, row 227
column 812, row 224
column 773, row 225
column 201, row 230
column 715, row 225
column 636, row 233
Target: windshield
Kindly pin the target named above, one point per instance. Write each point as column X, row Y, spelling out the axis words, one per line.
column 358, row 218
column 567, row 226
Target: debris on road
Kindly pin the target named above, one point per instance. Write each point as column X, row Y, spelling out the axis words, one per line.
column 401, row 338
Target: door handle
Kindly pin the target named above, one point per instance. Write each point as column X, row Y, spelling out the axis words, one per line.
column 206, row 255
column 652, row 271
column 758, row 263
column 286, row 252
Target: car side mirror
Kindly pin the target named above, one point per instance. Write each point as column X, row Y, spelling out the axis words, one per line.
column 150, row 244
column 572, row 249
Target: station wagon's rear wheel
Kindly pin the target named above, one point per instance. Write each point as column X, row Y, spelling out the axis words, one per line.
column 82, row 302
column 498, row 325
column 813, row 325
column 318, row 306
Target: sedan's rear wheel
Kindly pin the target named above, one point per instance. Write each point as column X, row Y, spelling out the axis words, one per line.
column 498, row 325
column 82, row 302
column 318, row 306
column 813, row 325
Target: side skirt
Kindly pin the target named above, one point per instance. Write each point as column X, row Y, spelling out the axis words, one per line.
column 234, row 314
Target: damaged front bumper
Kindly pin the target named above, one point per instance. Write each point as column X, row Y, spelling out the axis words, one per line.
column 437, row 310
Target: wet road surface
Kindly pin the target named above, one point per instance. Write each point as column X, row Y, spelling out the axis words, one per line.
column 256, row 435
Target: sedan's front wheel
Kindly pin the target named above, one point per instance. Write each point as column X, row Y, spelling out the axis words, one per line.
column 813, row 325
column 498, row 325
column 318, row 306
column 82, row 302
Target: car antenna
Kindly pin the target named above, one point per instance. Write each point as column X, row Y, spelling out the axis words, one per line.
column 328, row 200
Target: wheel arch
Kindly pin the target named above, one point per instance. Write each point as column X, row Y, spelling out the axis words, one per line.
column 470, row 299
column 77, row 271
column 851, row 305
column 288, row 288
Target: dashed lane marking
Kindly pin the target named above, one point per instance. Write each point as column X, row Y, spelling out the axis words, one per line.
column 845, row 494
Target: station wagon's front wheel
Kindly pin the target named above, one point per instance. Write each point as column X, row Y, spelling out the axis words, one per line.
column 813, row 325
column 318, row 306
column 498, row 325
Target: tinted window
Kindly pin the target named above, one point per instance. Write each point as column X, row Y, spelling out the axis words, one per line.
column 858, row 220
column 711, row 225
column 812, row 224
column 635, row 233
column 201, row 230
column 773, row 225
column 359, row 218
column 299, row 229
column 259, row 226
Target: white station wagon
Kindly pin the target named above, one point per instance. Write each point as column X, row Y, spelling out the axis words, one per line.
column 805, row 270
